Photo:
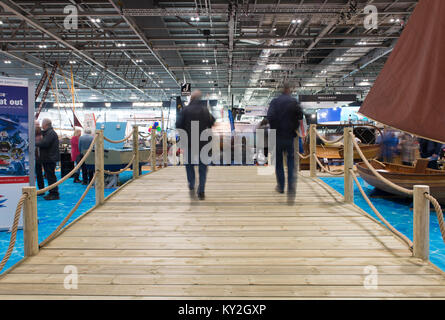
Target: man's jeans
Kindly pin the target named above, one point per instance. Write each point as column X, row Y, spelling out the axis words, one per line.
column 190, row 169
column 285, row 145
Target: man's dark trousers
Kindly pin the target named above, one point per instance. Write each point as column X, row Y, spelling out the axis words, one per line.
column 190, row 169
column 39, row 175
column 285, row 145
column 50, row 173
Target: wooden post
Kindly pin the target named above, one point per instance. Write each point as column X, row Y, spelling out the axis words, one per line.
column 296, row 151
column 30, row 222
column 153, row 150
column 136, row 172
column 165, row 148
column 313, row 150
column 99, row 165
column 174, row 151
column 421, row 223
column 348, row 155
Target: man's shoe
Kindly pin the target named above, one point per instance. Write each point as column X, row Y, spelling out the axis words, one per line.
column 50, row 197
column 279, row 190
column 201, row 196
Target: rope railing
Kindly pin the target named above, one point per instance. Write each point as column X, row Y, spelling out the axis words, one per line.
column 72, row 172
column 14, row 229
column 374, row 209
column 439, row 213
column 119, row 141
column 375, row 172
column 123, row 169
column 334, row 173
column 328, row 141
column 303, row 156
column 56, row 232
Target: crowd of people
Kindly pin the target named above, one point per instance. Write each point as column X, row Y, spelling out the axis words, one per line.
column 407, row 146
column 47, row 155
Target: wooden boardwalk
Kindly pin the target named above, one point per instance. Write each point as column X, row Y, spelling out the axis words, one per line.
column 244, row 241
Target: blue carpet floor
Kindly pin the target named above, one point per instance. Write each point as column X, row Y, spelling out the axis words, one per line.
column 51, row 214
column 398, row 212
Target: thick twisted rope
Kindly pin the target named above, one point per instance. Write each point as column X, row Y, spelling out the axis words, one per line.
column 387, row 224
column 123, row 169
column 119, row 141
column 144, row 135
column 328, row 141
column 14, row 229
column 69, row 175
column 378, row 175
column 439, row 213
column 334, row 173
column 303, row 157
column 56, row 232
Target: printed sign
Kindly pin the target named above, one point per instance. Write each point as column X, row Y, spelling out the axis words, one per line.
column 186, row 89
column 14, row 146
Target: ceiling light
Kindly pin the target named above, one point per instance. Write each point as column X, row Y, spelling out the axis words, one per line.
column 208, row 73
column 398, row 20
column 133, row 97
column 72, row 62
column 1, row 22
column 392, row 20
column 94, row 73
column 7, row 61
column 274, row 66
column 339, row 59
column 151, row 73
column 362, row 43
column 38, row 74
column 121, row 44
column 107, row 104
column 299, row 21
column 201, row 44
column 43, row 46
column 205, row 61
column 95, row 20
column 194, row 18
column 294, row 21
column 110, row 82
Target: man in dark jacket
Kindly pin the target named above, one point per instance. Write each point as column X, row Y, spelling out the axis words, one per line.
column 49, row 156
column 430, row 150
column 39, row 167
column 196, row 112
column 284, row 115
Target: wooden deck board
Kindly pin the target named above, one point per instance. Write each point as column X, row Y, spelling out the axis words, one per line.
column 152, row 241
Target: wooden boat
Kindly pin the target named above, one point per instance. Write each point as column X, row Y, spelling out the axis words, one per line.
column 406, row 177
column 371, row 151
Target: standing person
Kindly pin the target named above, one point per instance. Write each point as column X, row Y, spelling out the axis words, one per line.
column 39, row 167
column 284, row 116
column 430, row 150
column 408, row 146
column 49, row 156
column 195, row 111
column 75, row 152
column 84, row 143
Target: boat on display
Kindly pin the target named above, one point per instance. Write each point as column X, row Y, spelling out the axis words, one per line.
column 405, row 176
column 371, row 151
column 117, row 156
column 412, row 104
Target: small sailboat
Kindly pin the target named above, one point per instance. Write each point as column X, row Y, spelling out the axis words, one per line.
column 408, row 95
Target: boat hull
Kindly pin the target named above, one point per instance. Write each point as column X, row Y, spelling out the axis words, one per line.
column 115, row 160
column 370, row 151
column 402, row 176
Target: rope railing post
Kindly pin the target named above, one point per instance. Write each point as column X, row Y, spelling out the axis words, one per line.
column 135, row 152
column 164, row 148
column 313, row 150
column 30, row 222
column 174, row 151
column 153, row 150
column 296, row 153
column 99, row 165
column 348, row 155
column 421, row 239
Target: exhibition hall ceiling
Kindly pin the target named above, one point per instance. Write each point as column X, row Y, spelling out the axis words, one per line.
column 130, row 50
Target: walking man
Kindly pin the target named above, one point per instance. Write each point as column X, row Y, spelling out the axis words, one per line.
column 284, row 115
column 39, row 167
column 195, row 113
column 49, row 156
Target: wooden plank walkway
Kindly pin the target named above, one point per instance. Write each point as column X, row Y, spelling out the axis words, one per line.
column 244, row 241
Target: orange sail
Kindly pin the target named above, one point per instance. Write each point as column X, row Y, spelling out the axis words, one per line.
column 409, row 93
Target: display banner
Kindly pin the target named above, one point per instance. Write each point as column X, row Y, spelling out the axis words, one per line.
column 15, row 143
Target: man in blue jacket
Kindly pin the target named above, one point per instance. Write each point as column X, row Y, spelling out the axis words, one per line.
column 284, row 115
